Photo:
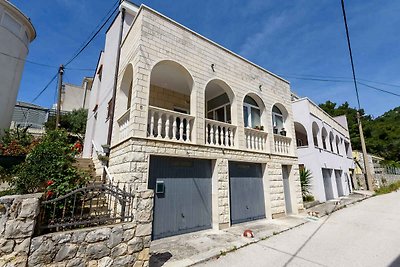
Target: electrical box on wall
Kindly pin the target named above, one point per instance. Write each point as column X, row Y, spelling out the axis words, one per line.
column 160, row 187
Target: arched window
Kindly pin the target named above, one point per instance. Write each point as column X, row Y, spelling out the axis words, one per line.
column 301, row 134
column 337, row 144
column 219, row 97
column 278, row 121
column 251, row 113
column 331, row 139
column 315, row 131
column 324, row 135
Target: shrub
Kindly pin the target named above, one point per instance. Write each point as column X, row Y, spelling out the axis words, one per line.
column 48, row 167
column 305, row 182
column 16, row 142
column 308, row 198
column 387, row 189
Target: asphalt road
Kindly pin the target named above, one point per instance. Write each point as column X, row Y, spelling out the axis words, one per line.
column 364, row 234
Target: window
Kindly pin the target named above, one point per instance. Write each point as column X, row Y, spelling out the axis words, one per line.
column 100, row 72
column 109, row 109
column 221, row 113
column 251, row 113
column 128, row 104
column 277, row 120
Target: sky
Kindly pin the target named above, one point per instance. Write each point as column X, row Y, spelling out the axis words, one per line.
column 294, row 39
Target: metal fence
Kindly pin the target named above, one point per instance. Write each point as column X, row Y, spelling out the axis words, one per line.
column 89, row 206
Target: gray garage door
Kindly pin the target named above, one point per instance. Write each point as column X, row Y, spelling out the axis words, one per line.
column 183, row 203
column 246, row 192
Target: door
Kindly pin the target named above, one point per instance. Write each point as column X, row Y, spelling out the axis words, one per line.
column 327, row 174
column 286, row 189
column 339, row 184
column 246, row 192
column 182, row 201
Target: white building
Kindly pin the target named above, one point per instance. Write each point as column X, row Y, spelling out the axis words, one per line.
column 324, row 148
column 194, row 122
column 76, row 96
column 16, row 33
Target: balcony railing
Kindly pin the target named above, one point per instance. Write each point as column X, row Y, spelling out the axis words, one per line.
column 123, row 123
column 169, row 125
column 255, row 139
column 282, row 144
column 220, row 134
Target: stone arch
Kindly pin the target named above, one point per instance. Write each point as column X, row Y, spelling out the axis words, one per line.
column 301, row 134
column 315, row 132
column 279, row 118
column 219, row 102
column 251, row 117
column 324, row 135
column 171, row 87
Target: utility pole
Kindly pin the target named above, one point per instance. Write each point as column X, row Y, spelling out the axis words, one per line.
column 367, row 169
column 60, row 77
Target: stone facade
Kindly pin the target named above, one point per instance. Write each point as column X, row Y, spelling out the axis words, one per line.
column 124, row 244
column 17, row 224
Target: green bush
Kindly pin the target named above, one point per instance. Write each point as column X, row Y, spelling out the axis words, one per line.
column 387, row 189
column 48, row 167
column 308, row 198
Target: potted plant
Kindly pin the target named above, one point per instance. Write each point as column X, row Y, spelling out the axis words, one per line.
column 256, row 127
column 261, row 127
column 283, row 132
column 275, row 130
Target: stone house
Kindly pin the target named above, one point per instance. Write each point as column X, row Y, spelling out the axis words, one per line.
column 209, row 131
column 324, row 148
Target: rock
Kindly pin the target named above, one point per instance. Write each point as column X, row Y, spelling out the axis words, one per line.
column 144, row 255
column 124, row 261
column 98, row 235
column 127, row 226
column 97, row 251
column 36, row 242
column 119, row 250
column 138, row 264
column 92, row 264
column 105, row 262
column 144, row 216
column 22, row 248
column 6, row 245
column 44, row 254
column 66, row 252
column 143, row 229
column 147, row 241
column 135, row 245
column 147, row 194
column 57, row 264
column 78, row 237
column 115, row 237
column 19, row 229
column 76, row 262
column 129, row 234
column 29, row 208
column 61, row 238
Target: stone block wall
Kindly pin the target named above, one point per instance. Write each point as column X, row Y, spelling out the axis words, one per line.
column 17, row 224
column 123, row 244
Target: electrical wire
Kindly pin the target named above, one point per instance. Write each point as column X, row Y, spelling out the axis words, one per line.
column 44, row 89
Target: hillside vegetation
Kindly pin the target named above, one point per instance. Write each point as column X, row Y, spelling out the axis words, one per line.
column 382, row 134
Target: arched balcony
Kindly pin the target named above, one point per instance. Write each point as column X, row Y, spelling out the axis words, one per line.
column 254, row 121
column 170, row 104
column 315, row 132
column 220, row 123
column 281, row 140
column 324, row 135
column 331, row 140
column 301, row 135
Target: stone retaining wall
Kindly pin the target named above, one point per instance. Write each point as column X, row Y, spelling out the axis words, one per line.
column 124, row 244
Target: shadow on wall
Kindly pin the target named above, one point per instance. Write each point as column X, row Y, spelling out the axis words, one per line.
column 158, row 259
column 396, row 262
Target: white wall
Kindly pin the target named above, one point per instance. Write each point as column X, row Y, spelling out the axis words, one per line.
column 314, row 158
column 16, row 32
column 101, row 93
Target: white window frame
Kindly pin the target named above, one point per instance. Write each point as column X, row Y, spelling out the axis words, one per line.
column 225, row 112
column 249, row 118
column 274, row 115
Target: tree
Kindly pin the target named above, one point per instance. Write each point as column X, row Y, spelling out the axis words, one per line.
column 73, row 122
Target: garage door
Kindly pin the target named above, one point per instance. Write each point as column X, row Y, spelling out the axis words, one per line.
column 182, row 200
column 246, row 192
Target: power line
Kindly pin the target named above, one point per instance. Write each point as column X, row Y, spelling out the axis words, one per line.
column 351, row 54
column 44, row 89
column 379, row 89
column 94, row 35
column 28, row 61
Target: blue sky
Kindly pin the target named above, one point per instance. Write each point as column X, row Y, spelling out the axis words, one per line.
column 289, row 38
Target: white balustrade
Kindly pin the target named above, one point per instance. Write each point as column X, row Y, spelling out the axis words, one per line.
column 169, row 125
column 123, row 123
column 282, row 144
column 255, row 139
column 220, row 134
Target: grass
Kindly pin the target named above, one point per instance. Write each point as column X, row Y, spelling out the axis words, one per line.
column 388, row 188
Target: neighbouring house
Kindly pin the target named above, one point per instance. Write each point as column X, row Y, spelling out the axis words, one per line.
column 29, row 115
column 381, row 174
column 74, row 97
column 209, row 131
column 324, row 148
column 16, row 33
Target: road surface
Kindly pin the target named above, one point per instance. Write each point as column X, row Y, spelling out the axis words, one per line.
column 364, row 234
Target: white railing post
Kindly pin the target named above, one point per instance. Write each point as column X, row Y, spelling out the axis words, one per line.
column 159, row 125
column 151, row 123
column 167, row 127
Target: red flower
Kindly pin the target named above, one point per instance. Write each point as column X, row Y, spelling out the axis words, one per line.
column 49, row 194
column 50, row 182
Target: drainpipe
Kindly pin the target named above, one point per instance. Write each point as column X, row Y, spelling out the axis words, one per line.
column 111, row 121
